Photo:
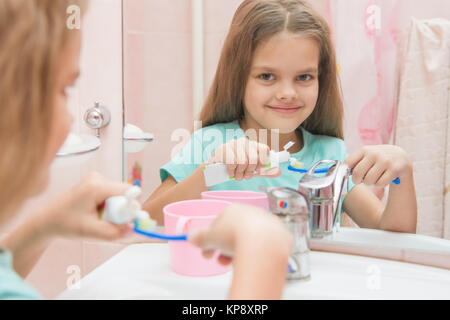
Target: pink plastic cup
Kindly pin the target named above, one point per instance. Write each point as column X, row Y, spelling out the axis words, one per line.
column 182, row 217
column 253, row 198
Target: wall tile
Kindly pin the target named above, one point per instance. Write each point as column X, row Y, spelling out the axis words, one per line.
column 60, row 263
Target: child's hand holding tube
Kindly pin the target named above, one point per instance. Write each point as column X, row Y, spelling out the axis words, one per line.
column 244, row 158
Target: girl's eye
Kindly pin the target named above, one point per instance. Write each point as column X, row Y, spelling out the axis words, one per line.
column 305, row 77
column 267, row 77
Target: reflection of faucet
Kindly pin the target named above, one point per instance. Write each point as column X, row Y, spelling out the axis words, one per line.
column 324, row 195
column 291, row 206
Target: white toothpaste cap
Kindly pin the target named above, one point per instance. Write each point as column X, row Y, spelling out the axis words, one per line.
column 133, row 192
column 288, row 145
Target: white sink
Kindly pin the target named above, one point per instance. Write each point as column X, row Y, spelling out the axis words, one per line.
column 142, row 271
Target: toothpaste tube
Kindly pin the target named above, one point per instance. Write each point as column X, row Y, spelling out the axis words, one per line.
column 124, row 209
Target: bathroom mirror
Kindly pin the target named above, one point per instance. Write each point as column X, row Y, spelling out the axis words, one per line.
column 171, row 50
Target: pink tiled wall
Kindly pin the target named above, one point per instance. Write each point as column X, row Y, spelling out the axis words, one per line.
column 158, row 72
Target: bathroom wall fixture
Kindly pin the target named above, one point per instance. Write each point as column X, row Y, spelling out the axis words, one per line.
column 81, row 144
column 97, row 117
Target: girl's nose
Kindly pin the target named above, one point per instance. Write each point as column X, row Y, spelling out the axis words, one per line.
column 287, row 93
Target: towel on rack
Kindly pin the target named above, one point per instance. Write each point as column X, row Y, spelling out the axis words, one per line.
column 423, row 127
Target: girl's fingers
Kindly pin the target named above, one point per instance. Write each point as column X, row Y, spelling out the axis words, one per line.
column 385, row 179
column 221, row 259
column 242, row 158
column 353, row 159
column 208, row 254
column 253, row 160
column 200, row 238
column 230, row 160
column 97, row 186
column 110, row 189
column 361, row 169
column 374, row 174
column 224, row 260
column 269, row 173
column 263, row 153
column 94, row 228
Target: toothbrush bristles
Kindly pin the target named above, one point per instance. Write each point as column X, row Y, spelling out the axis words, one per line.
column 295, row 163
column 146, row 224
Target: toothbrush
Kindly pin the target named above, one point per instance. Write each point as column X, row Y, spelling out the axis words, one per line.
column 145, row 227
column 296, row 166
column 126, row 209
column 217, row 172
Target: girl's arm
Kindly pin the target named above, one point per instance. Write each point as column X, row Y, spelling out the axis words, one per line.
column 260, row 268
column 170, row 191
column 401, row 209
column 363, row 207
column 379, row 165
column 27, row 243
column 243, row 159
column 72, row 214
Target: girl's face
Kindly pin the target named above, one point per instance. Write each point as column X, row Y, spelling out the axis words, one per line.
column 283, row 85
column 66, row 75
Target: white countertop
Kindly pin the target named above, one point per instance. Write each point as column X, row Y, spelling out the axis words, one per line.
column 142, row 271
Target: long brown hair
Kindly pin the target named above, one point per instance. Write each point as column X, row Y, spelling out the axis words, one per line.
column 32, row 36
column 254, row 22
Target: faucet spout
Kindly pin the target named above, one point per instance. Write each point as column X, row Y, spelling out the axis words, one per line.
column 340, row 186
column 324, row 193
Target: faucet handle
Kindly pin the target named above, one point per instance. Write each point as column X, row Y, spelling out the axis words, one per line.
column 287, row 202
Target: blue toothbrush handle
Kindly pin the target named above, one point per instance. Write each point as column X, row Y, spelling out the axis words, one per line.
column 395, row 181
column 161, row 236
column 305, row 171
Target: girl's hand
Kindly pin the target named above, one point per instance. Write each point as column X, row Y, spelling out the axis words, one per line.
column 259, row 245
column 243, row 158
column 379, row 165
column 241, row 228
column 74, row 213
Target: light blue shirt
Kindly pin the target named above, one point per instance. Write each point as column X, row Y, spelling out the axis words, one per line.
column 204, row 141
column 12, row 286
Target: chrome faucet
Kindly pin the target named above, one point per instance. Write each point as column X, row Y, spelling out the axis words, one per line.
column 324, row 195
column 292, row 207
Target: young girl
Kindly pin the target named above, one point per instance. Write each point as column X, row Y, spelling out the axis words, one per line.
column 39, row 59
column 277, row 77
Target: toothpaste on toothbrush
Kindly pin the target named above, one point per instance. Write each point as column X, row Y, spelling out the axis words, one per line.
column 217, row 173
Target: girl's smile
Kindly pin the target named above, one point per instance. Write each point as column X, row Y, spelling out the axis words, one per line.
column 289, row 109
